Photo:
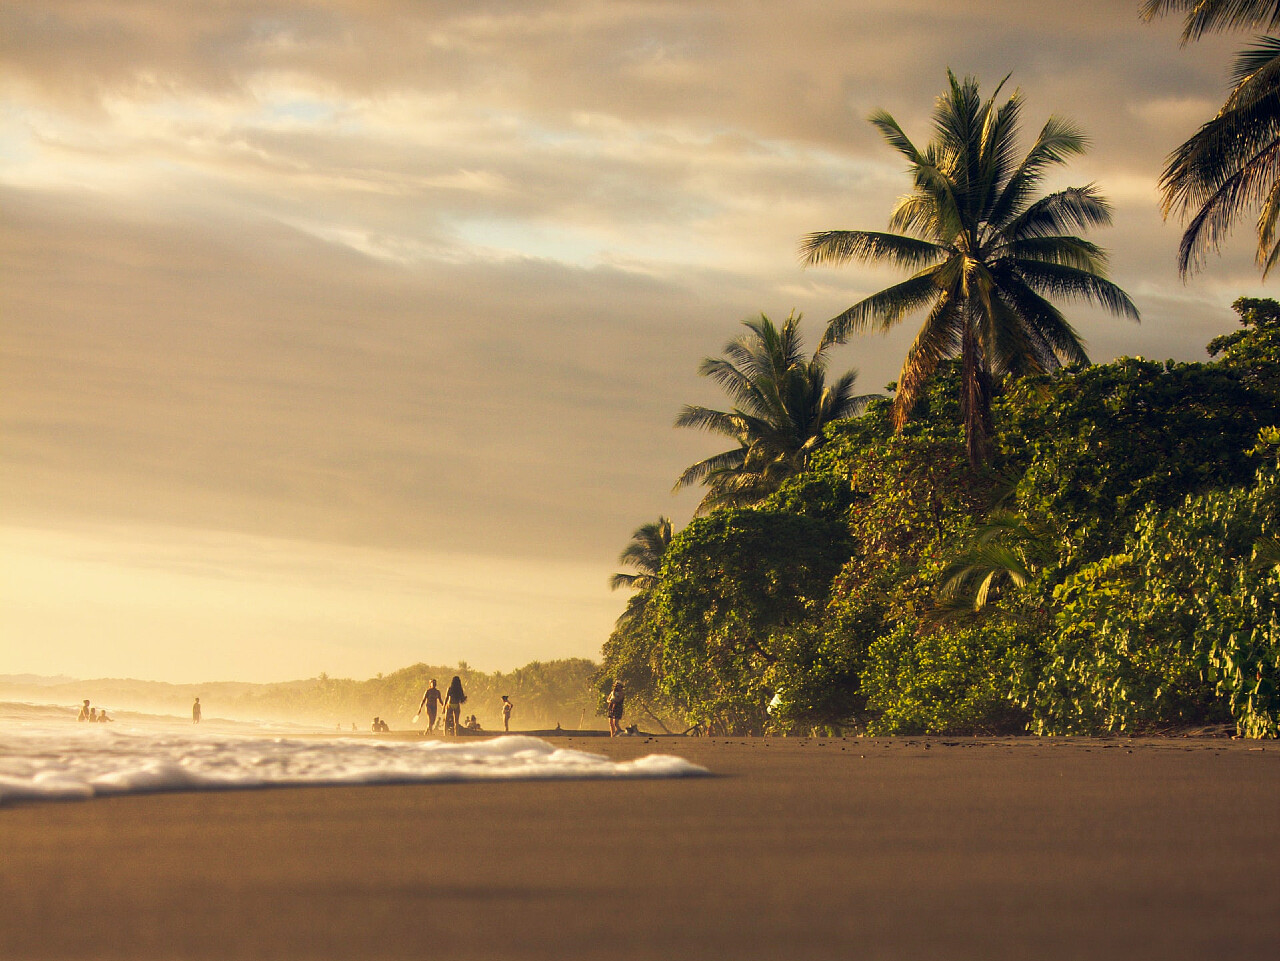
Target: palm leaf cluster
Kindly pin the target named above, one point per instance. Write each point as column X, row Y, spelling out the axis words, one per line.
column 782, row 402
column 1006, row 550
column 645, row 552
column 1232, row 163
column 987, row 256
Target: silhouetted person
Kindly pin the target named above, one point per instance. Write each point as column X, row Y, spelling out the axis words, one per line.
column 613, row 708
column 506, row 713
column 102, row 716
column 195, row 712
column 93, row 715
column 84, row 711
column 431, row 701
column 454, row 698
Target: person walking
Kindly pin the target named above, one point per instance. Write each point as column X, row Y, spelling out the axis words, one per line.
column 613, row 708
column 431, row 701
column 454, row 698
column 506, row 713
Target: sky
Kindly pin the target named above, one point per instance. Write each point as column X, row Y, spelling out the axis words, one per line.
column 340, row 335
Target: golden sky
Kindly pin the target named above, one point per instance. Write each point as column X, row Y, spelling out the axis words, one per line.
column 343, row 334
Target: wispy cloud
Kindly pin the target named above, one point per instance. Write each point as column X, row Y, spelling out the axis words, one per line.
column 435, row 277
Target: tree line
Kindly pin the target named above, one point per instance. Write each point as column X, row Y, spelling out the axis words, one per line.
column 1011, row 540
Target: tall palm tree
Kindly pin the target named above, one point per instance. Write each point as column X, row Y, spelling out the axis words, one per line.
column 782, row 403
column 648, row 546
column 986, row 254
column 1232, row 163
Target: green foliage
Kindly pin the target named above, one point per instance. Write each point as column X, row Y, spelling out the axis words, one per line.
column 1254, row 352
column 633, row 655
column 1097, row 447
column 953, row 680
column 1115, row 568
column 907, row 496
column 730, row 581
column 1180, row 629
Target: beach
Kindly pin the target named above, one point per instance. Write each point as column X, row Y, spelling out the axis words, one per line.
column 816, row 848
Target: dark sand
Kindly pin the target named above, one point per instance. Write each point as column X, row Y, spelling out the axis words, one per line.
column 912, row 849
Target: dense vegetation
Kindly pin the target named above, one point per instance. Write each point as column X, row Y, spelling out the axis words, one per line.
column 1114, row 568
column 1015, row 541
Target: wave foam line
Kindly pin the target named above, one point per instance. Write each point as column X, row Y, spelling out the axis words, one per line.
column 115, row 764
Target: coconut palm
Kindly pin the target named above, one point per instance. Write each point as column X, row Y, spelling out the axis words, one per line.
column 648, row 546
column 985, row 252
column 782, row 403
column 1232, row 163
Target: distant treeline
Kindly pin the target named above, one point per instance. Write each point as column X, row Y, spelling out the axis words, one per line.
column 545, row 694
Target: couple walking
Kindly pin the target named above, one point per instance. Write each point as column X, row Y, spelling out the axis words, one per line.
column 453, row 699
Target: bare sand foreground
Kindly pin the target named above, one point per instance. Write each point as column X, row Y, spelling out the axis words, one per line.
column 867, row 849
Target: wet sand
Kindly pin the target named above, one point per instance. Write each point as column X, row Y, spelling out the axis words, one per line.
column 867, row 849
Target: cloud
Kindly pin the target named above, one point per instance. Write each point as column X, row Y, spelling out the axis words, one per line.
column 435, row 277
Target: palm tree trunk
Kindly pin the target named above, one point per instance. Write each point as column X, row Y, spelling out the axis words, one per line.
column 975, row 399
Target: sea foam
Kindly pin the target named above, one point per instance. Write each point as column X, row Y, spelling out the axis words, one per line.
column 80, row 762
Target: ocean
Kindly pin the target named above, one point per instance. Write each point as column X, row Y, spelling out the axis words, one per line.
column 46, row 754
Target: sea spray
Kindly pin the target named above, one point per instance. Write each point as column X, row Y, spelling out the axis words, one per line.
column 76, row 761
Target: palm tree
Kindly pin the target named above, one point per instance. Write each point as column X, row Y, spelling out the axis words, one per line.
column 1007, row 550
column 782, row 403
column 648, row 546
column 986, row 254
column 1232, row 163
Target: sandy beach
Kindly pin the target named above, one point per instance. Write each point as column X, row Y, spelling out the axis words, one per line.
column 824, row 848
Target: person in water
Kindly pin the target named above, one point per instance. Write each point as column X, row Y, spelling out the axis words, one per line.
column 454, row 698
column 93, row 715
column 613, row 708
column 195, row 712
column 84, row 711
column 506, row 713
column 431, row 701
column 102, row 717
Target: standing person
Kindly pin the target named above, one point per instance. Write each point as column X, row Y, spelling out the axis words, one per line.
column 506, row 713
column 84, row 711
column 614, row 709
column 431, row 701
column 195, row 712
column 454, row 698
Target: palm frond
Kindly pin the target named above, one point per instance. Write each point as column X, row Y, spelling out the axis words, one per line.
column 885, row 308
column 937, row 339
column 842, row 246
column 1076, row 208
column 1208, row 16
column 1072, row 283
